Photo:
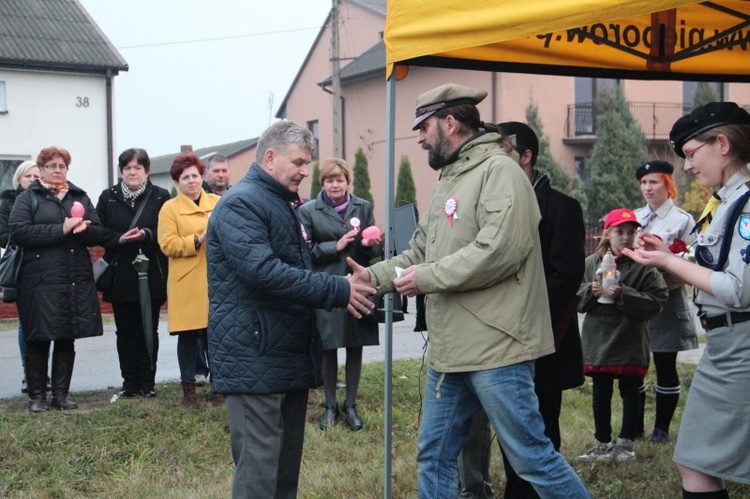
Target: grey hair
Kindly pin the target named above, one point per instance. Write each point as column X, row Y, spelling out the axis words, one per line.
column 21, row 171
column 280, row 136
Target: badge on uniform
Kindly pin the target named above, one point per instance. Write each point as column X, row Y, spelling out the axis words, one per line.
column 706, row 255
column 744, row 227
column 745, row 253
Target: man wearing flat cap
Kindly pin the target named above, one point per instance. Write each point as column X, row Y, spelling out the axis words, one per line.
column 477, row 258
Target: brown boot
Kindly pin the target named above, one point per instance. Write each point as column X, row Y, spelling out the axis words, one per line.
column 217, row 399
column 189, row 399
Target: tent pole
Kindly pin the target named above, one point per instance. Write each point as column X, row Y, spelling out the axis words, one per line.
column 390, row 134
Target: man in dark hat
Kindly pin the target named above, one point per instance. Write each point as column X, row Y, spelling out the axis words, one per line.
column 477, row 257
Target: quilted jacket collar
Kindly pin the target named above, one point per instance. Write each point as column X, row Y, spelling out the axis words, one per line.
column 256, row 173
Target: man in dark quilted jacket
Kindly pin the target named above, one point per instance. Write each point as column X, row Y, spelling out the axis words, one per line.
column 265, row 350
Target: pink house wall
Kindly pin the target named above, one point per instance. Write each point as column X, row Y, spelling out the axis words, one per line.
column 365, row 105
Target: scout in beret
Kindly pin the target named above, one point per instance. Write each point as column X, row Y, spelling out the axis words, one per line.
column 703, row 119
column 714, row 433
column 448, row 95
column 655, row 166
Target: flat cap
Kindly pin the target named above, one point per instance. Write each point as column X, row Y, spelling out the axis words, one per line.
column 525, row 136
column 703, row 119
column 655, row 166
column 448, row 95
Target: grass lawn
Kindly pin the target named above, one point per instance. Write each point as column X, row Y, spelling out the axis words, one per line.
column 155, row 448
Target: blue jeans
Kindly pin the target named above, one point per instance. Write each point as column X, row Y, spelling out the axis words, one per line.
column 507, row 396
column 187, row 351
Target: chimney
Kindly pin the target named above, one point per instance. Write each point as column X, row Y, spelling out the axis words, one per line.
column 186, row 148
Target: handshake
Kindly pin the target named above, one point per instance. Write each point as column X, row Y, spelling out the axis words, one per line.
column 361, row 287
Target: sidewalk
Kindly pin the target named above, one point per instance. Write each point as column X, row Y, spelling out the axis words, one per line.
column 97, row 366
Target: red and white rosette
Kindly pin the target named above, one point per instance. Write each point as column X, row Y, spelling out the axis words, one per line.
column 450, row 208
column 355, row 223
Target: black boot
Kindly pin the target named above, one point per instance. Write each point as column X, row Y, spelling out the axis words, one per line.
column 36, row 379
column 329, row 417
column 62, row 372
column 352, row 417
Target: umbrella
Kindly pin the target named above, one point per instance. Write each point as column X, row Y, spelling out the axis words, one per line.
column 144, row 294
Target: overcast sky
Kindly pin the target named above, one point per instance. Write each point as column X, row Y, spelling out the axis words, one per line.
column 202, row 71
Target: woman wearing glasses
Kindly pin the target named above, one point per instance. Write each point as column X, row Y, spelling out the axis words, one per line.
column 715, row 430
column 673, row 330
column 57, row 300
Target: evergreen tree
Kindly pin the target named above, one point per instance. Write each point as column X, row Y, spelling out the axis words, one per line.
column 695, row 196
column 316, row 187
column 406, row 191
column 704, row 94
column 362, row 177
column 558, row 176
column 619, row 150
column 173, row 192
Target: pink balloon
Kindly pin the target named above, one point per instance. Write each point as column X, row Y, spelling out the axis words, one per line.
column 371, row 232
column 77, row 210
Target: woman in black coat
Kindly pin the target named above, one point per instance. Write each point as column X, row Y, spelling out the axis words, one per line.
column 126, row 238
column 57, row 299
column 25, row 174
column 333, row 222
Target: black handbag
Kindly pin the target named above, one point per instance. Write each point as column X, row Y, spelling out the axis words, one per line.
column 106, row 280
column 10, row 266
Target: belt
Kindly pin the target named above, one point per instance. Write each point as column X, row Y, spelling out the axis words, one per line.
column 723, row 320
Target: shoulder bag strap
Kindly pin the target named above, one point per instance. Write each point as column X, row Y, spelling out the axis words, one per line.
column 140, row 209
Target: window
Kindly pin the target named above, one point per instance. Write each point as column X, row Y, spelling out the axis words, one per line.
column 582, row 170
column 3, row 104
column 7, row 169
column 313, row 127
column 586, row 92
column 702, row 92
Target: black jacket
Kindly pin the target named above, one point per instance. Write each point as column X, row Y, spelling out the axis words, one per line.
column 7, row 198
column 116, row 215
column 57, row 298
column 562, row 236
column 261, row 328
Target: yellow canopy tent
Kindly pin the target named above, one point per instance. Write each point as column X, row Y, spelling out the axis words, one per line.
column 657, row 39
column 636, row 39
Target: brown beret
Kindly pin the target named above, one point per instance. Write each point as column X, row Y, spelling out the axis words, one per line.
column 448, row 95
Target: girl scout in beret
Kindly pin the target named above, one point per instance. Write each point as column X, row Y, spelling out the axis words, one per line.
column 673, row 330
column 715, row 431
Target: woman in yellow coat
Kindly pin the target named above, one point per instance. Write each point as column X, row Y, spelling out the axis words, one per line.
column 182, row 236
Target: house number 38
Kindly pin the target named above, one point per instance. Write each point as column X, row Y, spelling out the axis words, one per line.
column 82, row 102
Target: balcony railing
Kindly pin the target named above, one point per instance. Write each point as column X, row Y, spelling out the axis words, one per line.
column 655, row 119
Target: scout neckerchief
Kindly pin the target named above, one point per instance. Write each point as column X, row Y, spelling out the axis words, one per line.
column 708, row 213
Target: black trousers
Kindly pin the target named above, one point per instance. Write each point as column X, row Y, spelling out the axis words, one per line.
column 137, row 369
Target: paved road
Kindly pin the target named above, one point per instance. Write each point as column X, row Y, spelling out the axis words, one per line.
column 97, row 366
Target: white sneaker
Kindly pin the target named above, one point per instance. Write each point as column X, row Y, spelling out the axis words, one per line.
column 200, row 380
column 602, row 451
column 624, row 450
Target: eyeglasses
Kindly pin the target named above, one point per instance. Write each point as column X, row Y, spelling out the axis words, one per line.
column 56, row 166
column 689, row 155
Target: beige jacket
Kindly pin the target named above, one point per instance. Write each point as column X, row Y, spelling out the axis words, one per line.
column 484, row 278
